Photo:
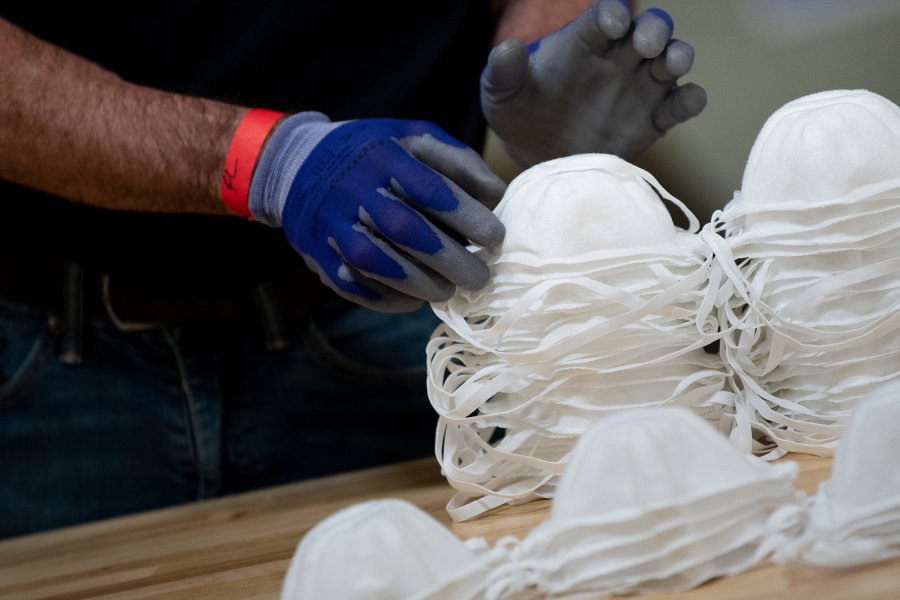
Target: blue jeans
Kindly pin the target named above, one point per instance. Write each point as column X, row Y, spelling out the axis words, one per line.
column 181, row 413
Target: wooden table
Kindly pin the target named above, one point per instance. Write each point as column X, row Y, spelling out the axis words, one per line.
column 240, row 546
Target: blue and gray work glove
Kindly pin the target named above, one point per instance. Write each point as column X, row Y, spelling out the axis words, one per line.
column 381, row 209
column 602, row 83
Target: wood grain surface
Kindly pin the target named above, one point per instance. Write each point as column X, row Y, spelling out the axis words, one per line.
column 240, row 546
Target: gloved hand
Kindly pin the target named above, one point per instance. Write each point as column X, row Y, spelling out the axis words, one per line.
column 379, row 207
column 599, row 84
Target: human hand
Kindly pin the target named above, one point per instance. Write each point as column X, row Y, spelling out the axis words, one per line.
column 599, row 84
column 377, row 207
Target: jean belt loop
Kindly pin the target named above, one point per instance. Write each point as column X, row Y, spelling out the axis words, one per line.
column 73, row 314
column 272, row 319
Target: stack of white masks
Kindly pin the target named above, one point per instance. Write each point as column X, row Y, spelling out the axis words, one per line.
column 855, row 516
column 385, row 550
column 597, row 303
column 631, row 516
column 653, row 500
column 812, row 249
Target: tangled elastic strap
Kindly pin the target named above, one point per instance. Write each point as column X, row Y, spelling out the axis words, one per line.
column 812, row 311
column 518, row 371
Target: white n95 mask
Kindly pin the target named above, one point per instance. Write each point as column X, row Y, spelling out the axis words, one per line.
column 813, row 254
column 652, row 500
column 597, row 303
column 567, row 208
column 855, row 516
column 384, row 550
column 655, row 524
column 822, row 147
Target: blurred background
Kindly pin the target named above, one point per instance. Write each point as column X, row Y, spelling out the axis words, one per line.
column 753, row 56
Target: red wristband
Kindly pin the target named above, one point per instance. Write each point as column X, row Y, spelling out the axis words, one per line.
column 241, row 158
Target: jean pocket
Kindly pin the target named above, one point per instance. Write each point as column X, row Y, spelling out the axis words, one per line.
column 24, row 347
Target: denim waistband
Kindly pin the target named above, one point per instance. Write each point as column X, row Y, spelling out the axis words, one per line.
column 73, row 295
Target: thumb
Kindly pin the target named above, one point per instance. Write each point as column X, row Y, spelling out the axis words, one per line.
column 505, row 72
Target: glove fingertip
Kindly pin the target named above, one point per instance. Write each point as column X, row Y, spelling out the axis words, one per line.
column 652, row 32
column 612, row 18
column 693, row 99
column 443, row 295
column 491, row 233
column 478, row 277
column 679, row 58
column 403, row 305
column 684, row 103
column 506, row 68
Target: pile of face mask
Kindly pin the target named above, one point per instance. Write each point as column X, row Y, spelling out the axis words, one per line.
column 652, row 500
column 633, row 516
column 598, row 304
column 629, row 517
column 812, row 248
column 854, row 517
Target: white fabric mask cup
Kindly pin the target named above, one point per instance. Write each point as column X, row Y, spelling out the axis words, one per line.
column 384, row 550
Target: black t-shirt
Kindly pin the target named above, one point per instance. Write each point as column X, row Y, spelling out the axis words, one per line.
column 402, row 59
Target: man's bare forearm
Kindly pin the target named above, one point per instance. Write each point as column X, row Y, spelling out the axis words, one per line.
column 73, row 129
column 528, row 20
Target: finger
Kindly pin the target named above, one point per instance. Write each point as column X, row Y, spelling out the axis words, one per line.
column 472, row 220
column 463, row 166
column 651, row 32
column 441, row 199
column 359, row 249
column 680, row 105
column 604, row 22
column 505, row 72
column 390, row 300
column 398, row 223
column 446, row 257
column 351, row 285
column 675, row 62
